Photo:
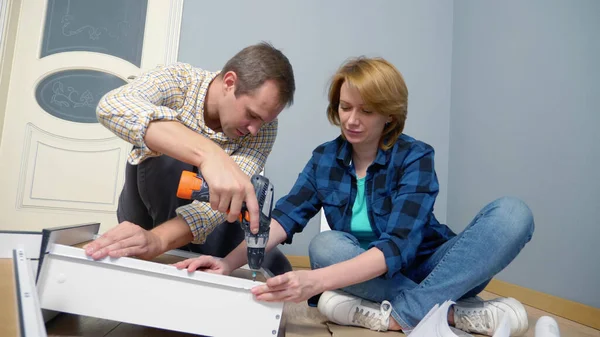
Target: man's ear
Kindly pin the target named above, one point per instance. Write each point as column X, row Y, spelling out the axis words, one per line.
column 229, row 81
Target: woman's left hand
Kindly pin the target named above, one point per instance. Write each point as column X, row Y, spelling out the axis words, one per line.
column 293, row 286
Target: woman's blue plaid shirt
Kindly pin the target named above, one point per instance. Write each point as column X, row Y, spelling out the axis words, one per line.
column 401, row 187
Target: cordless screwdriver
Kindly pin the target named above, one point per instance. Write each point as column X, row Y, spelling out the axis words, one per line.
column 193, row 186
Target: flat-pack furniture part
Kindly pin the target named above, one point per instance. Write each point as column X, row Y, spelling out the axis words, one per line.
column 147, row 293
column 153, row 294
column 29, row 241
column 20, row 309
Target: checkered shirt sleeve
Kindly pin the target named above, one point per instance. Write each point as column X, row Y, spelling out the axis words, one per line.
column 294, row 210
column 158, row 94
column 251, row 157
column 412, row 205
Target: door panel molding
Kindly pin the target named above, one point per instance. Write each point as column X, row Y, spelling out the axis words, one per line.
column 43, row 154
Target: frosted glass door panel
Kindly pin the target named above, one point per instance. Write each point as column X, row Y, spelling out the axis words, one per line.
column 113, row 27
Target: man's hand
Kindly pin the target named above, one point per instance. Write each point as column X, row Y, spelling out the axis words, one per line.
column 126, row 239
column 205, row 263
column 294, row 286
column 229, row 186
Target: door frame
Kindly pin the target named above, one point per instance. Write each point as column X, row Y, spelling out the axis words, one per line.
column 7, row 38
column 4, row 8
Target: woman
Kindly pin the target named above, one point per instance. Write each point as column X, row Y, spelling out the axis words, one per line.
column 387, row 260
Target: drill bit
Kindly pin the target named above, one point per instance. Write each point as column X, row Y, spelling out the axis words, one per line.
column 253, row 276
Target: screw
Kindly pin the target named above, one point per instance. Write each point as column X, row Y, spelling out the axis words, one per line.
column 277, row 317
column 273, row 332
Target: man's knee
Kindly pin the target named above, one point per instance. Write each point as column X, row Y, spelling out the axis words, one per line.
column 276, row 262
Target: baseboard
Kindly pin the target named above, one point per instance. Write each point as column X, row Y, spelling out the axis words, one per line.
column 299, row 261
column 574, row 311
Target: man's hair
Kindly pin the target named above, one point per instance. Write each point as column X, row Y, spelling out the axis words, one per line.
column 256, row 64
column 382, row 88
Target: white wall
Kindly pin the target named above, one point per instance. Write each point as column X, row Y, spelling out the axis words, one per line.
column 524, row 122
column 510, row 85
column 317, row 36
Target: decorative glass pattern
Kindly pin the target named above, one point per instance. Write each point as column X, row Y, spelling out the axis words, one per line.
column 114, row 27
column 74, row 94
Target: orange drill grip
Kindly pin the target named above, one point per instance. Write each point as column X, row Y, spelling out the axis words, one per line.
column 242, row 215
column 188, row 183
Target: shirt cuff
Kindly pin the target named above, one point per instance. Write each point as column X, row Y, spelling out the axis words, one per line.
column 201, row 221
column 286, row 223
column 392, row 255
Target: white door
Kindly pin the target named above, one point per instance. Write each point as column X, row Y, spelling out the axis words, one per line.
column 58, row 165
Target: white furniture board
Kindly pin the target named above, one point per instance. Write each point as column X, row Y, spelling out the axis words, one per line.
column 30, row 241
column 30, row 314
column 145, row 293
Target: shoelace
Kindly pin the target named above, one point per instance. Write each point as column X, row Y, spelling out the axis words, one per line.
column 475, row 321
column 372, row 319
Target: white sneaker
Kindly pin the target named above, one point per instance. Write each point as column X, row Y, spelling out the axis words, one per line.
column 484, row 317
column 345, row 309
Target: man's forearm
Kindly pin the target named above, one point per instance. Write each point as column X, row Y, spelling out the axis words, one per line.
column 364, row 267
column 176, row 140
column 239, row 257
column 173, row 234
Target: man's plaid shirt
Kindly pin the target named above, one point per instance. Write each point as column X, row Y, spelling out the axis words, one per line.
column 177, row 93
column 401, row 187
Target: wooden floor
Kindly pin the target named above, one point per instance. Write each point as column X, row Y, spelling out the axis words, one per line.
column 299, row 321
column 8, row 296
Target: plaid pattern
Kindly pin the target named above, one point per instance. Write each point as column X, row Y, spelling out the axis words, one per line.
column 400, row 188
column 177, row 92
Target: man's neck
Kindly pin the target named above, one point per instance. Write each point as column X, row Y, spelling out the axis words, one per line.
column 211, row 111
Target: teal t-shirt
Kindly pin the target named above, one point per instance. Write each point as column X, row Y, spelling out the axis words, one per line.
column 360, row 226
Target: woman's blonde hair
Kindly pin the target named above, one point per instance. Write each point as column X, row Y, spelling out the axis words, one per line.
column 382, row 88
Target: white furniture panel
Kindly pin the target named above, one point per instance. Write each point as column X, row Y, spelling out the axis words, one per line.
column 153, row 294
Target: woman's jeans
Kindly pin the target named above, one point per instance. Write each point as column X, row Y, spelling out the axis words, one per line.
column 460, row 268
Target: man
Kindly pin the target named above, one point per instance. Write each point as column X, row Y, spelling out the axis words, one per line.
column 180, row 118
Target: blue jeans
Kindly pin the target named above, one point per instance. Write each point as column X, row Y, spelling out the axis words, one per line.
column 459, row 268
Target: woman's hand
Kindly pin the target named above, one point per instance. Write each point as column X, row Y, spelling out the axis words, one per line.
column 205, row 263
column 294, row 286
